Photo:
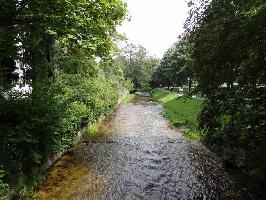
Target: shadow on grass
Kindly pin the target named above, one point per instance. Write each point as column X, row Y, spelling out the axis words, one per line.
column 159, row 94
column 183, row 112
column 163, row 96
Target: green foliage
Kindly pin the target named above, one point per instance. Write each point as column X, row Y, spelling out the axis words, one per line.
column 229, row 63
column 180, row 111
column 48, row 120
column 91, row 130
column 193, row 134
column 129, row 98
column 138, row 66
column 3, row 186
column 174, row 68
column 78, row 23
column 55, row 43
column 29, row 188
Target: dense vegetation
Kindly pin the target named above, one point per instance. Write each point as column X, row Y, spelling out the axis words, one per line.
column 138, row 65
column 174, row 69
column 50, row 48
column 223, row 53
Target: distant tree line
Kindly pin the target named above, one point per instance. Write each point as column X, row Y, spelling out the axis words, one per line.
column 174, row 69
column 138, row 65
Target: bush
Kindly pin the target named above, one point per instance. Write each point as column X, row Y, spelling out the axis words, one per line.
column 47, row 121
column 30, row 186
column 193, row 134
column 3, row 186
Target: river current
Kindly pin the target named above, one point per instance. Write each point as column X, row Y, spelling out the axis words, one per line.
column 138, row 155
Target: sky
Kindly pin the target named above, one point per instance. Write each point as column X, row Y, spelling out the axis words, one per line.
column 155, row 24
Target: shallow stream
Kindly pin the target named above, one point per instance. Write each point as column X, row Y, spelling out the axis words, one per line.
column 137, row 155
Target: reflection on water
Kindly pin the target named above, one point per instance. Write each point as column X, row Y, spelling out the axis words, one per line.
column 138, row 157
column 69, row 179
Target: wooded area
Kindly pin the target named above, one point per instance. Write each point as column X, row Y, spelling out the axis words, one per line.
column 222, row 55
column 50, row 48
column 62, row 58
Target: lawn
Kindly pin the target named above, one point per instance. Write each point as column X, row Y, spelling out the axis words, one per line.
column 179, row 110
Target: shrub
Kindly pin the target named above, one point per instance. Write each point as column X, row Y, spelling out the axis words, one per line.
column 3, row 186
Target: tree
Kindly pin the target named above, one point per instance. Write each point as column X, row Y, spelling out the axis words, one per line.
column 228, row 55
column 138, row 65
column 30, row 28
column 174, row 68
column 55, row 43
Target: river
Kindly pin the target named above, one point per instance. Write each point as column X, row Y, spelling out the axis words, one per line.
column 138, row 155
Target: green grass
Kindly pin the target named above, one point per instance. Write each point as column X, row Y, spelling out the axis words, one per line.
column 91, row 130
column 180, row 111
column 129, row 98
column 29, row 188
column 192, row 134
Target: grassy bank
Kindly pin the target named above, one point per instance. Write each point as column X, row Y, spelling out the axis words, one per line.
column 93, row 131
column 180, row 111
column 129, row 98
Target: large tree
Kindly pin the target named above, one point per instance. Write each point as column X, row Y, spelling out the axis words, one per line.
column 138, row 65
column 175, row 67
column 29, row 29
column 229, row 54
column 55, row 43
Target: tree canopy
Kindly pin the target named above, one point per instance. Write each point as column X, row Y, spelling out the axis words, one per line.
column 29, row 29
column 138, row 65
column 174, row 68
column 223, row 51
column 51, row 47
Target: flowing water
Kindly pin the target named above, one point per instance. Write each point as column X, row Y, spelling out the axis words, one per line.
column 137, row 155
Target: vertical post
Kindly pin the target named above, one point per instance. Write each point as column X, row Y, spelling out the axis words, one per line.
column 189, row 84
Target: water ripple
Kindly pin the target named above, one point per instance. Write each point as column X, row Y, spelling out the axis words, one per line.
column 141, row 157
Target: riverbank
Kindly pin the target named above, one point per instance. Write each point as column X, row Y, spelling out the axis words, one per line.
column 181, row 112
column 27, row 185
column 137, row 156
column 93, row 131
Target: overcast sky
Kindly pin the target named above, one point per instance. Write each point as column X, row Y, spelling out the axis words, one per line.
column 155, row 24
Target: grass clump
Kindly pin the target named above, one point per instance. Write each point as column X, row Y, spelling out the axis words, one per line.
column 91, row 130
column 29, row 188
column 192, row 134
column 180, row 111
column 129, row 98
